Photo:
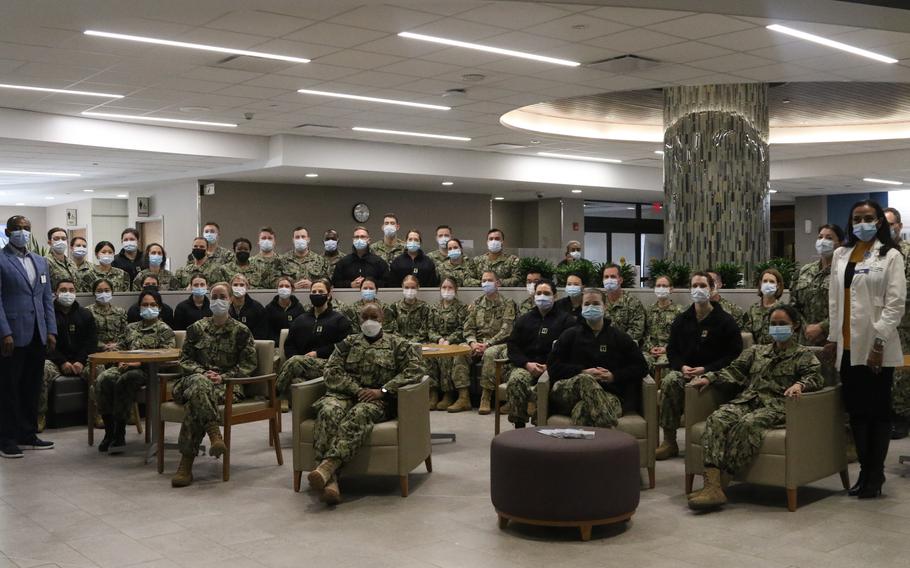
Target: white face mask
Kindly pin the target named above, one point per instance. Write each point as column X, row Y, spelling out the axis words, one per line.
column 389, row 230
column 301, row 245
column 442, row 241
column 104, row 297
column 573, row 290
column 768, row 288
column 611, row 284
column 494, row 246
column 59, row 247
column 66, row 298
column 700, row 295
column 530, row 288
column 824, row 247
column 266, row 245
column 575, row 254
column 284, row 293
column 79, row 251
column 219, row 307
column 371, row 328
column 488, row 287
column 330, row 245
column 447, row 295
column 239, row 291
column 106, row 259
column 409, row 293
column 661, row 292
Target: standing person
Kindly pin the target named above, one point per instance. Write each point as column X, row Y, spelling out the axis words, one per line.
column 28, row 328
column 246, row 310
column 83, row 271
column 624, row 311
column 866, row 301
column 361, row 263
column 900, row 415
column 451, row 376
column 441, row 253
column 571, row 304
column 573, row 253
column 129, row 259
column 195, row 307
column 213, row 252
column 809, row 294
column 390, row 247
column 153, row 263
column 456, row 266
column 504, row 265
column 258, row 275
column 413, row 262
column 202, row 265
column 283, row 309
column 134, row 313
column 119, row 278
column 267, row 261
column 60, row 265
column 302, row 264
column 738, row 314
column 771, row 288
column 659, row 319
column 330, row 248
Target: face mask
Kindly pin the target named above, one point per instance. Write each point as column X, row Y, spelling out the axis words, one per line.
column 488, row 287
column 319, row 300
column 661, row 292
column 149, row 313
column 865, row 231
column 330, row 246
column 150, row 288
column 592, row 313
column 611, row 284
column 200, row 291
column 130, row 246
column 412, row 246
column 389, row 230
column 573, row 290
column 266, row 245
column 360, row 244
column 104, row 297
column 442, row 241
column 301, row 245
column 454, row 254
column 409, row 293
column 198, row 254
column 284, row 293
column 155, row 259
column 447, row 295
column 768, row 288
column 106, row 259
column 824, row 247
column 243, row 256
column 20, row 238
column 66, row 298
column 700, row 295
column 780, row 333
column 575, row 254
column 210, row 237
column 79, row 251
column 543, row 301
column 239, row 291
column 220, row 307
column 368, row 294
column 59, row 247
column 371, row 328
column 530, row 288
column 494, row 246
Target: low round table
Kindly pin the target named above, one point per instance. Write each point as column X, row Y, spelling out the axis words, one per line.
column 437, row 351
column 541, row 480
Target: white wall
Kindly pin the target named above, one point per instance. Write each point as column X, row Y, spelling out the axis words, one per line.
column 176, row 205
column 109, row 218
column 814, row 210
column 56, row 217
column 37, row 215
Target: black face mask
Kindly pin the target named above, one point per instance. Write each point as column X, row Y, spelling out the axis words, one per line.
column 318, row 300
column 198, row 254
column 243, row 256
column 150, row 288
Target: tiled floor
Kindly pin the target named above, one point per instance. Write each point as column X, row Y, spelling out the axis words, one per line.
column 74, row 507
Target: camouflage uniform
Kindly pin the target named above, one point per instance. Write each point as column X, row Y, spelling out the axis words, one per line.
column 352, row 312
column 582, row 398
column 900, row 392
column 410, row 321
column 310, row 267
column 60, row 270
column 211, row 271
column 734, row 432
column 228, row 350
column 84, row 276
column 116, row 389
column 332, row 260
column 386, row 252
column 809, row 295
column 659, row 319
column 505, row 267
column 526, row 306
column 460, row 273
column 298, row 369
column 119, row 279
column 627, row 314
column 342, row 423
column 438, row 257
column 220, row 255
column 269, row 268
column 738, row 314
column 257, row 275
column 166, row 279
column 51, row 372
column 490, row 321
column 757, row 321
column 449, row 373
column 110, row 323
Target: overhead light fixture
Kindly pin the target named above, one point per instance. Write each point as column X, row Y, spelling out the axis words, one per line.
column 20, row 204
column 371, row 99
column 831, row 43
column 61, row 91
column 490, row 49
column 447, row 183
column 158, row 119
column 311, row 175
column 497, row 198
column 407, row 133
column 122, row 195
column 200, row 46
column 584, row 158
column 576, row 191
column 88, row 190
column 31, row 173
column 50, row 197
column 884, row 181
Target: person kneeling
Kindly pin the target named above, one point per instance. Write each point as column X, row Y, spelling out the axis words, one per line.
column 362, row 378
column 764, row 375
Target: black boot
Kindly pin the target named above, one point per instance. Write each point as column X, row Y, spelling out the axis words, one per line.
column 900, row 427
column 860, row 429
column 108, row 433
column 879, row 440
column 119, row 443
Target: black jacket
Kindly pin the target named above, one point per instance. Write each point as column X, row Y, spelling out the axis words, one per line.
column 186, row 313
column 420, row 266
column 278, row 318
column 352, row 266
column 252, row 315
column 533, row 335
column 131, row 267
column 166, row 315
column 565, row 305
column 77, row 337
column 712, row 343
column 309, row 333
column 579, row 349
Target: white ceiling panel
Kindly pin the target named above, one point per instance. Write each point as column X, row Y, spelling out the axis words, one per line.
column 389, row 19
column 700, row 25
column 258, row 23
column 336, row 35
column 637, row 16
column 635, row 40
column 504, row 15
column 685, row 52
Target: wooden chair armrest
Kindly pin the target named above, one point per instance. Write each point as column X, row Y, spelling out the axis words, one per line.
column 250, row 380
column 543, row 399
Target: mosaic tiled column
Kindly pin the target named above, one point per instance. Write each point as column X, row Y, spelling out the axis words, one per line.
column 716, row 167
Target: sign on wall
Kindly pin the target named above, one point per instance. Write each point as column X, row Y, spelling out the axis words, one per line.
column 72, row 217
column 143, row 206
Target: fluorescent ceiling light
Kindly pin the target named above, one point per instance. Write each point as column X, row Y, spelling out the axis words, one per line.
column 312, row 175
column 372, row 99
column 406, row 133
column 29, row 173
column 831, row 43
column 157, row 119
column 20, row 203
column 89, row 190
column 585, row 158
column 199, row 46
column 122, row 195
column 498, row 198
column 490, row 49
column 49, row 198
column 448, row 183
column 576, row 191
column 63, row 91
column 884, row 181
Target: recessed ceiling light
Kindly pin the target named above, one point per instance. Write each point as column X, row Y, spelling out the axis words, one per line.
column 831, row 43
column 20, row 203
column 659, row 152
column 406, row 133
column 497, row 198
column 630, row 209
column 62, row 91
column 122, row 195
column 157, row 119
column 89, row 190
column 884, row 181
column 200, row 46
column 50, row 198
column 31, row 173
column 576, row 191
column 371, row 99
column 490, row 49
column 585, row 158
column 312, row 175
column 448, row 183
column 195, row 109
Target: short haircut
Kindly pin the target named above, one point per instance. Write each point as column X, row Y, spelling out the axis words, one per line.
column 152, row 293
column 330, row 231
column 410, row 277
column 130, row 231
column 64, row 281
column 239, row 240
column 14, row 221
column 495, row 230
column 301, row 228
column 705, row 274
column 362, row 228
column 598, row 291
column 55, row 230
column 212, row 224
column 200, row 238
column 268, row 230
column 610, row 265
column 493, row 272
column 102, row 244
column 576, row 274
column 895, row 212
column 547, row 282
column 390, row 216
column 368, row 279
column 443, row 227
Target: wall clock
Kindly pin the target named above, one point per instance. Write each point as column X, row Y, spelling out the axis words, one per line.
column 361, row 212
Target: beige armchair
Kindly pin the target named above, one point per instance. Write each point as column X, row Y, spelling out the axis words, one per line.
column 260, row 403
column 809, row 447
column 642, row 427
column 279, row 353
column 395, row 447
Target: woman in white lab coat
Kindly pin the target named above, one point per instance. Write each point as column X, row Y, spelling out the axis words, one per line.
column 866, row 303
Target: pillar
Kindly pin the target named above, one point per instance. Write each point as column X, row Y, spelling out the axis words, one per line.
column 716, row 168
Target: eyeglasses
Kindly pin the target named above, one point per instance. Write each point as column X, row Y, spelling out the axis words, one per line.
column 866, row 219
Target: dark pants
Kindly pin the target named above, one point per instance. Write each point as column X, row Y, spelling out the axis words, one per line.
column 867, row 398
column 21, row 377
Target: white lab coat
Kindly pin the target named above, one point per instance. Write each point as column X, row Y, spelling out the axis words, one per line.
column 877, row 296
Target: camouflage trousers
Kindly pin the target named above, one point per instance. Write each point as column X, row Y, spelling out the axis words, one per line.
column 672, row 399
column 582, row 398
column 488, row 370
column 116, row 390
column 298, row 369
column 520, row 391
column 653, row 362
column 200, row 398
column 51, row 372
column 900, row 394
column 448, row 374
column 734, row 433
column 343, row 425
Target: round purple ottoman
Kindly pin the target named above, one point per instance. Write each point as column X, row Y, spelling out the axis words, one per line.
column 540, row 480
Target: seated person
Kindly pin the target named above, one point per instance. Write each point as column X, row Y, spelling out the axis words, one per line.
column 246, row 310
column 571, row 304
column 573, row 253
column 659, row 318
column 215, row 348
column 368, row 290
column 764, row 376
column 529, row 345
column 738, row 314
column 201, row 263
column 362, row 378
column 456, row 265
column 76, row 340
column 283, row 309
column 703, row 338
column 624, row 311
column 117, row 386
column 532, row 278
column 771, row 288
column 595, row 369
column 311, row 339
column 149, row 282
column 195, row 307
column 409, row 318
column 449, row 375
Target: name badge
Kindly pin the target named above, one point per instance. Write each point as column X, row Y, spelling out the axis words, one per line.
column 862, row 271
column 318, row 329
column 290, row 318
column 243, row 319
column 44, row 278
column 415, row 271
column 543, row 331
column 603, row 348
column 72, row 328
column 704, row 333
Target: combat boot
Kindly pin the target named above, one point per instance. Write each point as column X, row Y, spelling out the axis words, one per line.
column 532, row 411
column 463, row 403
column 99, row 422
column 434, row 398
column 668, row 448
column 108, row 433
column 448, row 399
column 119, row 429
column 184, row 475
column 331, row 495
column 505, row 408
column 485, row 402
column 324, row 472
column 712, row 496
column 218, row 447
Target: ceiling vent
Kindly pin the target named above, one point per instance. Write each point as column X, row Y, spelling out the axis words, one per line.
column 504, row 146
column 623, row 64
column 315, row 128
column 251, row 64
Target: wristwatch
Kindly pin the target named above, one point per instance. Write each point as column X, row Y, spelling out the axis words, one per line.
column 879, row 342
column 384, row 391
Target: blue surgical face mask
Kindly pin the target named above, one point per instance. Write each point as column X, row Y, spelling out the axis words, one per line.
column 368, row 294
column 155, row 259
column 865, row 231
column 104, row 297
column 59, row 247
column 824, row 247
column 130, row 246
column 149, row 313
column 780, row 333
column 768, row 288
column 20, row 238
column 611, row 284
column 360, row 244
column 80, row 251
column 210, row 237
column 200, row 291
column 454, row 254
column 592, row 313
column 488, row 287
column 700, row 295
column 543, row 301
column 572, row 290
column 330, row 245
column 412, row 246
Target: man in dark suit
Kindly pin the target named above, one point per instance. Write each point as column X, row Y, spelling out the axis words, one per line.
column 28, row 329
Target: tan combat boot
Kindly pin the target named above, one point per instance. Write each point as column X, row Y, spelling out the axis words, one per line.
column 463, row 403
column 712, row 496
column 320, row 477
column 505, row 408
column 218, row 447
column 434, row 398
column 184, row 475
column 331, row 495
column 486, row 401
column 668, row 448
column 448, row 399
